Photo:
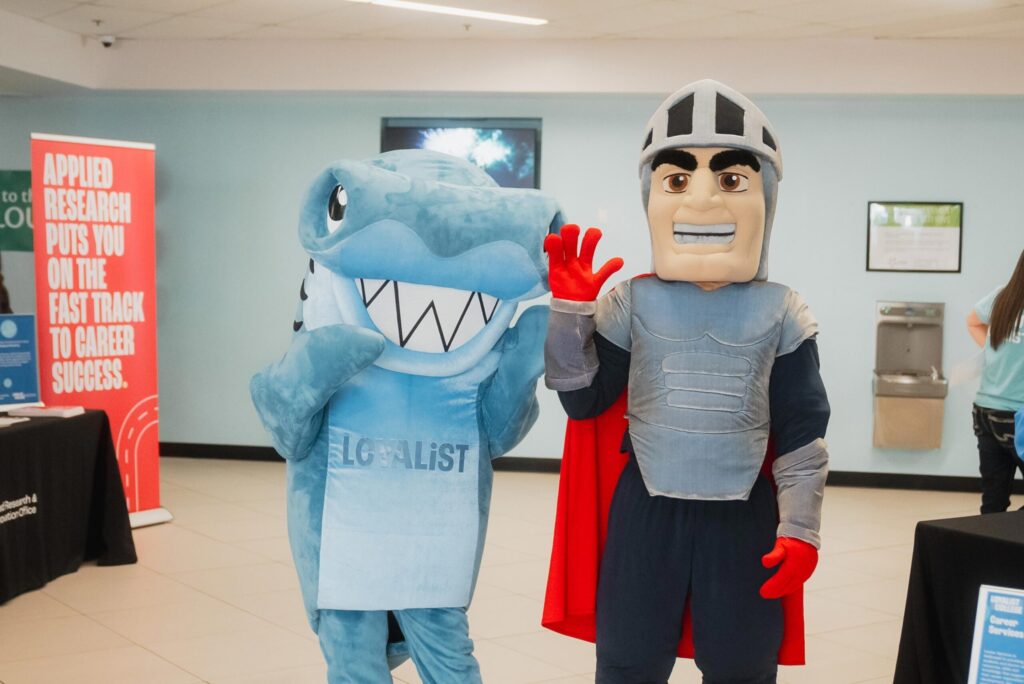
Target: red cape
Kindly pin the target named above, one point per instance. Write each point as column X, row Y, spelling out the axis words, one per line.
column 591, row 466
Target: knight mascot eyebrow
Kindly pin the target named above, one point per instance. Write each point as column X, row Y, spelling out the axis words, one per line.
column 719, row 162
column 724, row 160
column 683, row 160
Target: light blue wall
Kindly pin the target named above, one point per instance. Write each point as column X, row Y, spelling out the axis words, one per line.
column 232, row 167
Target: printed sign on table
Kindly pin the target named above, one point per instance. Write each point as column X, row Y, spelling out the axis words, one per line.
column 997, row 656
column 19, row 375
column 95, row 292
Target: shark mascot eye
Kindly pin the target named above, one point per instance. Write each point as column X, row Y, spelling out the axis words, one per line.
column 336, row 206
column 404, row 378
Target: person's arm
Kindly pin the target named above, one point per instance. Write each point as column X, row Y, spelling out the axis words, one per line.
column 575, row 355
column 607, row 385
column 799, row 416
column 977, row 329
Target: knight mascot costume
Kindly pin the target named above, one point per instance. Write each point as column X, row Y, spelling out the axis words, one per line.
column 403, row 380
column 695, row 461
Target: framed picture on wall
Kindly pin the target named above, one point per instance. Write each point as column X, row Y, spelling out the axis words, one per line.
column 507, row 149
column 919, row 237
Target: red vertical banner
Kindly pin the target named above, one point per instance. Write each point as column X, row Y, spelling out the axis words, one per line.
column 95, row 247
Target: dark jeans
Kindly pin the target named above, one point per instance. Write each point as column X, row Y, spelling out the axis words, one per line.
column 998, row 460
column 659, row 550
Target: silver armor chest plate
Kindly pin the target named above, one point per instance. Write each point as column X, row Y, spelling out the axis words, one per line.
column 698, row 384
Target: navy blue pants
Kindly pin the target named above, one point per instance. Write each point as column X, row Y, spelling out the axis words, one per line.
column 659, row 551
column 998, row 460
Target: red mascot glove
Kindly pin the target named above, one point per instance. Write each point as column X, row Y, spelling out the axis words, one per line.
column 571, row 276
column 798, row 560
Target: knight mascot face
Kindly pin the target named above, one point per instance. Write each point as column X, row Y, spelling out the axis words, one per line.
column 709, row 174
column 404, row 379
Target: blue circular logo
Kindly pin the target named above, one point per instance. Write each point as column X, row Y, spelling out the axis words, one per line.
column 8, row 383
column 8, row 329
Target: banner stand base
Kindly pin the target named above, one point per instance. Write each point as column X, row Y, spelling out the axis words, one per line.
column 154, row 516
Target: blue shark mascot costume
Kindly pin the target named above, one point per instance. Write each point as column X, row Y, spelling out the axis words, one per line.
column 403, row 380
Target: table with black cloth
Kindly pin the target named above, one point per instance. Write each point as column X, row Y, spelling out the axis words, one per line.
column 61, row 501
column 952, row 559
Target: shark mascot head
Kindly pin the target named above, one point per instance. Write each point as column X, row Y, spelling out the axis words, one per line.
column 426, row 249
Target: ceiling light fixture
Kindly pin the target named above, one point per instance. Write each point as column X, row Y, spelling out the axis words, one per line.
column 455, row 11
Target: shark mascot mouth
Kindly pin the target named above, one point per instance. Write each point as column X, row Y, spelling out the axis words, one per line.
column 426, row 250
column 405, row 377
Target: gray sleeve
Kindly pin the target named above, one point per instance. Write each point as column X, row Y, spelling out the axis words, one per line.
column 570, row 359
column 800, row 477
column 798, row 324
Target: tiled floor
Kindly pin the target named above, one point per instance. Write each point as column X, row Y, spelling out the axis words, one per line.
column 214, row 597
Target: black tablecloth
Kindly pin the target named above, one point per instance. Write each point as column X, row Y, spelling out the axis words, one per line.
column 952, row 559
column 61, row 501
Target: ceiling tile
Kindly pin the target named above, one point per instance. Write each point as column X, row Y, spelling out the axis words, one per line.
column 266, row 11
column 163, row 6
column 349, row 19
column 36, row 8
column 922, row 27
column 619, row 20
column 113, row 20
column 762, row 5
column 189, row 28
column 735, row 25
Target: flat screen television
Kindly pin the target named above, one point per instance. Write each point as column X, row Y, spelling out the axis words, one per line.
column 507, row 149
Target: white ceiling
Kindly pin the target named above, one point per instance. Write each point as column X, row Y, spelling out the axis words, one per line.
column 147, row 20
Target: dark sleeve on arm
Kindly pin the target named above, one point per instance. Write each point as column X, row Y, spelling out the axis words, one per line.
column 799, row 405
column 608, row 385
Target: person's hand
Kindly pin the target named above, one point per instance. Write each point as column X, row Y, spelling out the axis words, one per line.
column 572, row 276
column 798, row 560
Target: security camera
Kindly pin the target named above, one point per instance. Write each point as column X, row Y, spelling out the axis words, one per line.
column 108, row 41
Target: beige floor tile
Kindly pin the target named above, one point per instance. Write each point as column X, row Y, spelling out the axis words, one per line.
column 685, row 672
column 535, row 545
column 314, row 674
column 252, row 526
column 501, row 665
column 199, row 616
column 238, row 654
column 880, row 639
column 272, row 548
column 93, row 588
column 169, row 549
column 191, row 515
column 527, row 578
column 32, row 606
column 569, row 654
column 282, row 608
column 496, row 554
column 827, row 615
column 239, row 580
column 128, row 665
column 486, row 591
column 891, row 562
column 57, row 636
column 504, row 616
column 828, row 575
column 886, row 596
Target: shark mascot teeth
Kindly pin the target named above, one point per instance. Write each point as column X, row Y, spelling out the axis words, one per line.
column 403, row 380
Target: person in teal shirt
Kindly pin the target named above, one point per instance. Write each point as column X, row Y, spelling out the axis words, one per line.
column 995, row 324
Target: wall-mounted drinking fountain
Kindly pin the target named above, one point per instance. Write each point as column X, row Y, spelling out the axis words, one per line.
column 909, row 385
